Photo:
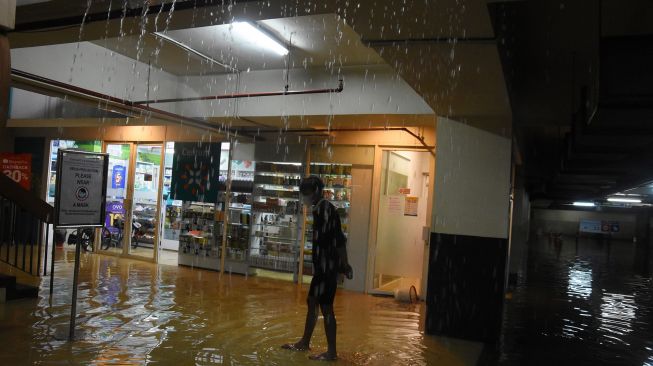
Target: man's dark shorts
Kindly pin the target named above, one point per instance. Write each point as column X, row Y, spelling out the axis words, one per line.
column 323, row 288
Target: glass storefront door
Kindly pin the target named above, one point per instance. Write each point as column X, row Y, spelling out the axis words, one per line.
column 401, row 219
column 145, row 209
column 133, row 193
column 118, row 198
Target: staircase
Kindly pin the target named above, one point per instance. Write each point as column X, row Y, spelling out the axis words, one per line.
column 10, row 290
column 24, row 225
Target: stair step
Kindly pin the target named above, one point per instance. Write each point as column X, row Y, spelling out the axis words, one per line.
column 13, row 290
column 7, row 281
column 23, row 292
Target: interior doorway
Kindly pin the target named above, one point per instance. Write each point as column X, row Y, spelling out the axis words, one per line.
column 402, row 216
column 133, row 200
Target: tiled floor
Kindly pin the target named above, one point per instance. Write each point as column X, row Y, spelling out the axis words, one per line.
column 132, row 313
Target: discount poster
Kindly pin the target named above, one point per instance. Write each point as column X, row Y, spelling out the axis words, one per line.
column 18, row 167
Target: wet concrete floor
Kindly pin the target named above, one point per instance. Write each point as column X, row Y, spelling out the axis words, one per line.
column 585, row 302
column 135, row 313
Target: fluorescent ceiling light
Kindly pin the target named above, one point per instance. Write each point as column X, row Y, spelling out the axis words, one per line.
column 584, row 204
column 259, row 38
column 624, row 200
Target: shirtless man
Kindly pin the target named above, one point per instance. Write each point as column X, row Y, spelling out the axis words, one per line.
column 329, row 260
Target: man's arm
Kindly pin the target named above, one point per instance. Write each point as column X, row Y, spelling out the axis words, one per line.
column 341, row 246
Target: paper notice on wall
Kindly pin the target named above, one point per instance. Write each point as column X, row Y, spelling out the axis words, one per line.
column 395, row 204
column 411, row 206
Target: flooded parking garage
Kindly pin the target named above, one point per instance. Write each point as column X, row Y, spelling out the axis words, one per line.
column 134, row 313
column 479, row 172
column 583, row 302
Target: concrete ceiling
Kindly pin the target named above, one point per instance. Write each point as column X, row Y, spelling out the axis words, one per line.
column 446, row 50
column 463, row 81
column 314, row 41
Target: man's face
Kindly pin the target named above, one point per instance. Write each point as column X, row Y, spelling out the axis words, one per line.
column 309, row 198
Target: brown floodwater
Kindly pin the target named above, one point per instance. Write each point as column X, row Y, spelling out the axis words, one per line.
column 134, row 313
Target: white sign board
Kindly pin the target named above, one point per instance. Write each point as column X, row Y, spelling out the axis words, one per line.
column 81, row 189
column 590, row 226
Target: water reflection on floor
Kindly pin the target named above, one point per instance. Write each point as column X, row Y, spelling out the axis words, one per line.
column 582, row 303
column 133, row 313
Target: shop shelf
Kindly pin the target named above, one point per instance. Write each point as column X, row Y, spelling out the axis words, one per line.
column 333, row 175
column 294, row 226
column 291, row 241
column 286, row 188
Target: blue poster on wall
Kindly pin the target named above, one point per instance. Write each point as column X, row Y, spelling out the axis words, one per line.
column 118, row 176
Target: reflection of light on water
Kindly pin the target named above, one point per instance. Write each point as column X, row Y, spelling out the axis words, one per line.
column 208, row 356
column 580, row 281
column 649, row 362
column 617, row 314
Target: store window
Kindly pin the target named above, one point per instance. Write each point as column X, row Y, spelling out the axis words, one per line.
column 194, row 203
column 240, row 209
column 276, row 216
column 347, row 172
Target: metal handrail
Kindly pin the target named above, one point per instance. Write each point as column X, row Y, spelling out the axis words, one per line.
column 24, row 228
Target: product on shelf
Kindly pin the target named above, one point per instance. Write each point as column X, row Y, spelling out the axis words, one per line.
column 275, row 216
column 200, row 229
column 337, row 189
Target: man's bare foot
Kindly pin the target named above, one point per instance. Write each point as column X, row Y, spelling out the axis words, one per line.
column 326, row 356
column 299, row 346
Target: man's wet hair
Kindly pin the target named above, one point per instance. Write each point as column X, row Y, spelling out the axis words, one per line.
column 311, row 184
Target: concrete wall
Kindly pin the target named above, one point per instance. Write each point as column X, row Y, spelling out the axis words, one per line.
column 472, row 185
column 90, row 66
column 6, row 138
column 7, row 14
column 566, row 221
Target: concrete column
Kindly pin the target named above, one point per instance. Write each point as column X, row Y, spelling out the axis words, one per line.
column 469, row 233
column 520, row 229
column 7, row 21
column 641, row 259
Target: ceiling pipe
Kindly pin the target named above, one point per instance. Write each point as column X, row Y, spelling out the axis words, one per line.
column 438, row 40
column 197, row 53
column 431, row 149
column 19, row 76
column 246, row 95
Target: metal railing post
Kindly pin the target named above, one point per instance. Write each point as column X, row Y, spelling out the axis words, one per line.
column 45, row 252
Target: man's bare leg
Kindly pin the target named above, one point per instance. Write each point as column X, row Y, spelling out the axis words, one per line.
column 311, row 319
column 330, row 329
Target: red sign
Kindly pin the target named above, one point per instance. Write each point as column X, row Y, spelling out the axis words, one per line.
column 18, row 167
column 404, row 190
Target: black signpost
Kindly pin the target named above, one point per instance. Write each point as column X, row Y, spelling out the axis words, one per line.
column 80, row 201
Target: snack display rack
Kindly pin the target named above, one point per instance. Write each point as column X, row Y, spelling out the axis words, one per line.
column 276, row 222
